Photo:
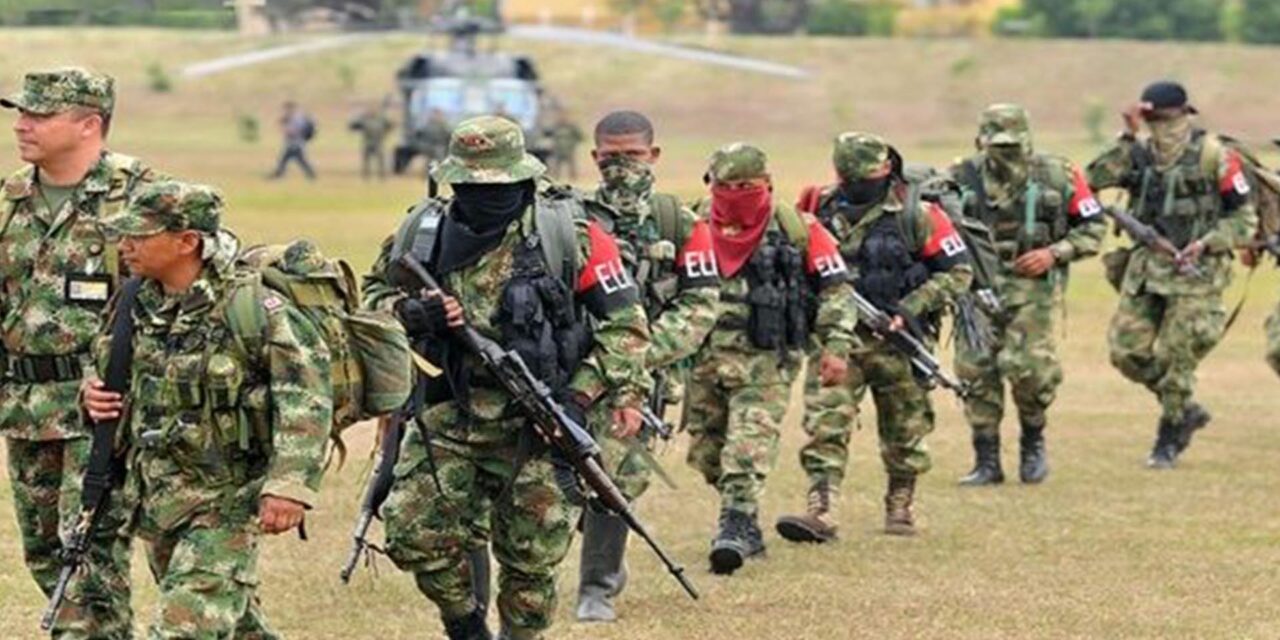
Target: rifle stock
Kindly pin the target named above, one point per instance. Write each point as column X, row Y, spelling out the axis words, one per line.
column 376, row 493
column 549, row 418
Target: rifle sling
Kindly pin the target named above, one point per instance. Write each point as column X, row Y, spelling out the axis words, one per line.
column 102, row 462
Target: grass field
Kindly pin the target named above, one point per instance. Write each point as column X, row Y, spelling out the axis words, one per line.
column 1105, row 549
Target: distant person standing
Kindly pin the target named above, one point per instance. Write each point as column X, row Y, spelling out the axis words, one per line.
column 373, row 125
column 565, row 138
column 433, row 139
column 298, row 129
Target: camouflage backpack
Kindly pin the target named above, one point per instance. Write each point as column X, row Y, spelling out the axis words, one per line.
column 929, row 185
column 371, row 371
column 1265, row 184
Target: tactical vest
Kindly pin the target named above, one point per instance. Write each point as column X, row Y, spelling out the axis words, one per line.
column 538, row 315
column 886, row 263
column 1183, row 202
column 649, row 248
column 780, row 300
column 1037, row 218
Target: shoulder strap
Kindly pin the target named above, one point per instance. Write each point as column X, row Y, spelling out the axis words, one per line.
column 793, row 225
column 8, row 214
column 1210, row 148
column 559, row 240
column 245, row 317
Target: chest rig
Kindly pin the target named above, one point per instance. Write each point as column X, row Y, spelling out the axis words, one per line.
column 1183, row 202
column 1036, row 218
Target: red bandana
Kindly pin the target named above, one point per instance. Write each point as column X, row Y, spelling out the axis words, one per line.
column 746, row 211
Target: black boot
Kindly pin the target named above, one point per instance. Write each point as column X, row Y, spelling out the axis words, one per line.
column 469, row 627
column 735, row 541
column 986, row 466
column 1165, row 450
column 1033, row 466
column 603, row 571
column 480, row 581
column 1194, row 418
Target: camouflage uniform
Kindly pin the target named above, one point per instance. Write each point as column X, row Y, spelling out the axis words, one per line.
column 55, row 273
column 211, row 428
column 738, row 392
column 1030, row 201
column 903, row 410
column 669, row 251
column 1166, row 322
column 489, row 481
column 1273, row 340
column 373, row 127
column 565, row 138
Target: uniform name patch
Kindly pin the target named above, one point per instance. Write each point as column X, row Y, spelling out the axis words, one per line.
column 88, row 289
column 272, row 303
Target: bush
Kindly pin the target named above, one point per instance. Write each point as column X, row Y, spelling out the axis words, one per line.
column 851, row 18
column 158, row 79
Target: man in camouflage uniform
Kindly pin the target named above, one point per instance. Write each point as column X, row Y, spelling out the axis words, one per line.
column 1043, row 216
column 1192, row 188
column 525, row 269
column 565, row 138
column 784, row 286
column 908, row 260
column 669, row 251
column 223, row 443
column 56, row 272
column 373, row 125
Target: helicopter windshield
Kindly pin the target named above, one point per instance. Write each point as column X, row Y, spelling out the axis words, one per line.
column 459, row 99
column 514, row 99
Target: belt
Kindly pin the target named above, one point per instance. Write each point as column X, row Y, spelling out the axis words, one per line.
column 29, row 369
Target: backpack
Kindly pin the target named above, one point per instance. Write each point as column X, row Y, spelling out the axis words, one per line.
column 308, row 128
column 1265, row 185
column 929, row 185
column 371, row 370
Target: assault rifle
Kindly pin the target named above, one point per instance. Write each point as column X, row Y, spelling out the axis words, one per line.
column 548, row 417
column 1149, row 237
column 379, row 488
column 656, row 408
column 921, row 356
column 104, row 465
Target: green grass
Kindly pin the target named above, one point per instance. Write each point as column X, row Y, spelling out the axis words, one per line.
column 1105, row 549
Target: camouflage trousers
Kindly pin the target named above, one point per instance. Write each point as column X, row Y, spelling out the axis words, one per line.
column 1273, row 339
column 904, row 415
column 430, row 532
column 625, row 463
column 735, row 421
column 1023, row 352
column 45, row 477
column 208, row 577
column 1158, row 341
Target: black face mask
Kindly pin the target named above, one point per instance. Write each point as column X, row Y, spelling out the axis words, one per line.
column 489, row 207
column 865, row 192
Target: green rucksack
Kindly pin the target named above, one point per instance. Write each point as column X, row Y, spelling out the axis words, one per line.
column 930, row 185
column 371, row 371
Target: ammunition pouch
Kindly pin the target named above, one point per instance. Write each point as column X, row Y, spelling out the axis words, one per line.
column 1114, row 264
column 32, row 369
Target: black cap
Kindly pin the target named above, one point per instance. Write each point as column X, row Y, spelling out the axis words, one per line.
column 1167, row 95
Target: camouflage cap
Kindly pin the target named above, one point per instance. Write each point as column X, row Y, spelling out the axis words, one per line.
column 57, row 90
column 487, row 150
column 860, row 155
column 1004, row 124
column 737, row 161
column 168, row 205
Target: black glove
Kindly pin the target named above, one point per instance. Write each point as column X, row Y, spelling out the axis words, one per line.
column 575, row 406
column 422, row 317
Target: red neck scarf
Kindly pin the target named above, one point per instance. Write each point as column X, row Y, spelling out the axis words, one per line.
column 744, row 211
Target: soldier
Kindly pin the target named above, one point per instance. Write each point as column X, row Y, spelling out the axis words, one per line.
column 908, row 260
column 433, row 139
column 223, row 444
column 526, row 269
column 669, row 251
column 1192, row 188
column 1044, row 217
column 373, row 125
column 1273, row 340
column 565, row 138
column 297, row 128
column 56, row 272
column 784, row 284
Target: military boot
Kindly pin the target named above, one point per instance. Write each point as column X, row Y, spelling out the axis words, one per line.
column 986, row 465
column 817, row 524
column 1194, row 418
column 739, row 538
column 1165, row 451
column 1033, row 466
column 898, row 519
column 603, row 573
column 469, row 627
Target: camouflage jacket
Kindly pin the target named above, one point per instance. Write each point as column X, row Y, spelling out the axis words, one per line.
column 929, row 234
column 210, row 428
column 1065, row 216
column 373, row 129
column 676, row 270
column 1211, row 195
column 615, row 365
column 834, row 323
column 42, row 253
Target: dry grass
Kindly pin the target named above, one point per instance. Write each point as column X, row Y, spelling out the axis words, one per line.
column 1104, row 549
